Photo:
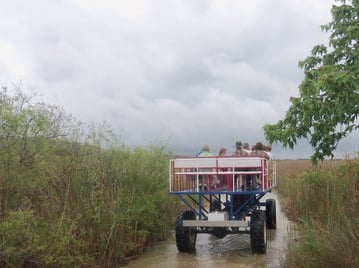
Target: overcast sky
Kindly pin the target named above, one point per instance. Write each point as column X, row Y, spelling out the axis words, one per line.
column 178, row 72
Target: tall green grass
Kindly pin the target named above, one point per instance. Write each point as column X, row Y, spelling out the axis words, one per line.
column 324, row 200
column 75, row 197
column 89, row 207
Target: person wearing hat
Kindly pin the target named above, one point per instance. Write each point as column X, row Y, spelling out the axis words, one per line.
column 246, row 150
column 239, row 150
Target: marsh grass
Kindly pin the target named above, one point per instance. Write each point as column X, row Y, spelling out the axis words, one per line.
column 71, row 195
column 324, row 200
column 85, row 206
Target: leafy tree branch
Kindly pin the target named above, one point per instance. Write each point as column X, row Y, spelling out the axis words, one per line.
column 327, row 109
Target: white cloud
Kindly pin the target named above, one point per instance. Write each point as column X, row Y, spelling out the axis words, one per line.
column 187, row 72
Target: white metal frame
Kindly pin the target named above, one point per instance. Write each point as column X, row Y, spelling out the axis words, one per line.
column 183, row 169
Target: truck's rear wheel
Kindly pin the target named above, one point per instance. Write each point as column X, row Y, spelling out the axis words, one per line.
column 258, row 232
column 271, row 213
column 185, row 236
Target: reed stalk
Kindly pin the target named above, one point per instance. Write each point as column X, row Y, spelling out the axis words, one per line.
column 324, row 201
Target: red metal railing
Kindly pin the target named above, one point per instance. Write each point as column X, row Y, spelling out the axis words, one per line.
column 222, row 173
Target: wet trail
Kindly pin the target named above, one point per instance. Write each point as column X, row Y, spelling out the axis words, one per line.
column 231, row 251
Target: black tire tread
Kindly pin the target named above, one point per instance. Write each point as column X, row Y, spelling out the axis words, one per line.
column 258, row 232
column 183, row 239
column 271, row 213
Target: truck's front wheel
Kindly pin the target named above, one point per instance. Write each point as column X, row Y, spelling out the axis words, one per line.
column 185, row 236
column 258, row 232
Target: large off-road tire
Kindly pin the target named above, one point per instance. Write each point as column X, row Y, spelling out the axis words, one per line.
column 185, row 236
column 271, row 213
column 258, row 232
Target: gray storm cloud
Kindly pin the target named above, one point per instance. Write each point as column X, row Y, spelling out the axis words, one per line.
column 179, row 72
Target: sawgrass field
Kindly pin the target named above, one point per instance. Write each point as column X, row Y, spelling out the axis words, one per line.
column 324, row 201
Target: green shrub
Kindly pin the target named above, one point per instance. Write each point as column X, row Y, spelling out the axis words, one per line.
column 72, row 196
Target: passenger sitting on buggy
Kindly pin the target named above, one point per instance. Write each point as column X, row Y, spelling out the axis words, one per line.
column 261, row 150
column 243, row 180
column 207, row 179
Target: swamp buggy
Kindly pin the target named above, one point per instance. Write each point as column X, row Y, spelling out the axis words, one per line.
column 223, row 195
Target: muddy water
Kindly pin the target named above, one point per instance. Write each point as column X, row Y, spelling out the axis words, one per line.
column 230, row 251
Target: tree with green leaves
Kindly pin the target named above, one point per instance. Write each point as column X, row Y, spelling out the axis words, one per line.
column 26, row 127
column 328, row 106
